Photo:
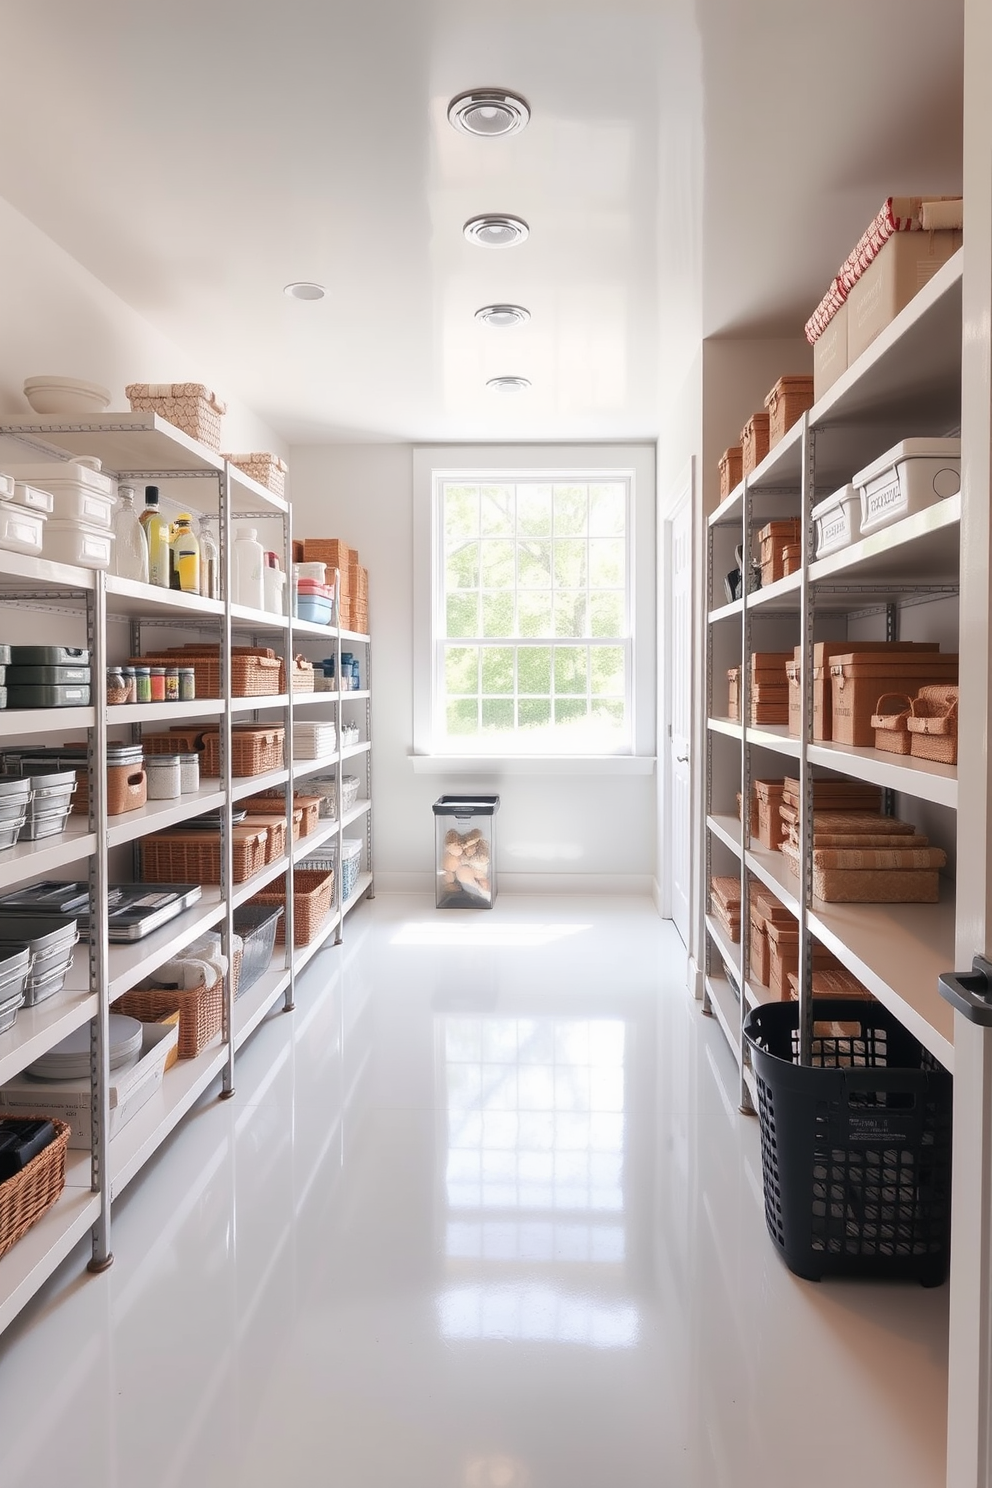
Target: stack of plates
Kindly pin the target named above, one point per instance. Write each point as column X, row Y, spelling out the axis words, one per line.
column 70, row 1060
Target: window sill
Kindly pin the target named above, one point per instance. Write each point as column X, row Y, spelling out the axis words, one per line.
column 543, row 764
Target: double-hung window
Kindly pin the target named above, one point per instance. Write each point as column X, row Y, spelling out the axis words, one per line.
column 532, row 611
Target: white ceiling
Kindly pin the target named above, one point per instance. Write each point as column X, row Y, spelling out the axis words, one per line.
column 699, row 166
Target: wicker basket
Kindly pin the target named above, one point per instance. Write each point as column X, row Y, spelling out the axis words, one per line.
column 889, row 722
column 792, row 558
column 302, row 672
column 734, row 694
column 255, row 671
column 179, row 740
column 268, row 470
column 200, row 1009
column 754, row 441
column 186, row 405
column 194, row 857
column 839, row 983
column 731, row 470
column 254, row 751
column 933, row 725
column 771, row 828
column 313, row 893
column 788, row 400
column 26, row 1196
column 859, row 679
column 774, row 537
column 274, row 823
column 333, row 552
column 306, row 809
column 869, row 885
column 127, row 789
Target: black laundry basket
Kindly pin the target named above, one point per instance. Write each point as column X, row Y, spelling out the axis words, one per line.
column 855, row 1147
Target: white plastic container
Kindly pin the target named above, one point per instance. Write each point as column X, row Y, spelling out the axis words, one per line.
column 164, row 772
column 247, row 563
column 20, row 528
column 189, row 773
column 7, row 484
column 30, row 496
column 80, row 492
column 316, row 571
column 75, row 542
column 908, row 478
column 837, row 520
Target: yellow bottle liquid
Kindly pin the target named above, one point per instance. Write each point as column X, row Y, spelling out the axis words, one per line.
column 157, row 532
column 185, row 556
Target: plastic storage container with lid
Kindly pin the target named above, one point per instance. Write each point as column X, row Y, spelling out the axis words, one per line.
column 22, row 494
column 314, row 602
column 837, row 520
column 164, row 772
column 80, row 492
column 465, row 834
column 21, row 529
column 78, row 543
column 907, row 478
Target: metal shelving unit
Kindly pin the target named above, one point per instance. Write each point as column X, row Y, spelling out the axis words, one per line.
column 907, row 383
column 119, row 613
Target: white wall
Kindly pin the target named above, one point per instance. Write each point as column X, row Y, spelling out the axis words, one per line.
column 575, row 832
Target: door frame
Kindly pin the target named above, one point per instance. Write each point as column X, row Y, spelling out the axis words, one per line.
column 680, row 495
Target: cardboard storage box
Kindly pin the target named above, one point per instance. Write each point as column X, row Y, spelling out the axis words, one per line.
column 69, row 1100
column 906, row 263
column 823, row 652
column 731, row 470
column 859, row 679
column 830, row 354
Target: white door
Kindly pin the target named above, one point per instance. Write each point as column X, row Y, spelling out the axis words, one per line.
column 678, row 670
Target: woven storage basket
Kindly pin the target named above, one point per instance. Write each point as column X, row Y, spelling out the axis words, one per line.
column 313, row 893
column 783, row 955
column 186, row 405
column 774, row 538
column 734, row 694
column 333, row 552
column 889, row 722
column 859, row 679
column 200, row 1009
column 26, row 1196
column 182, row 740
column 841, row 983
column 306, row 809
column 274, row 821
column 792, row 558
column 731, row 470
column 127, row 789
column 933, row 725
column 194, row 857
column 269, row 470
column 302, row 674
column 788, row 400
column 256, row 671
column 754, row 441
column 869, row 885
column 253, row 751
column 754, row 813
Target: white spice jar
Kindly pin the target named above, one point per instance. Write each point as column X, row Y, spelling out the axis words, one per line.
column 164, row 774
column 189, row 773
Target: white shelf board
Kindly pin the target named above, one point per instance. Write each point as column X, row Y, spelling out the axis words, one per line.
column 780, row 467
column 920, row 549
column 303, row 768
column 308, row 699
column 30, row 571
column 65, row 721
column 782, row 595
column 360, row 636
column 774, row 871
column 253, row 785
column 242, row 892
column 774, row 736
column 125, row 713
column 249, row 495
column 40, row 859
column 256, row 704
column 29, row 1263
column 134, row 442
column 133, row 600
column 354, row 695
column 731, row 509
column 732, row 611
column 243, row 617
column 729, row 949
column 40, row 1028
column 305, row 954
column 726, row 1011
column 898, row 951
column 728, row 726
column 306, row 629
column 362, row 886
column 326, row 830
column 157, row 815
column 148, row 1128
column 728, row 830
column 129, row 963
column 354, row 812
column 900, row 772
column 349, row 751
column 259, row 1000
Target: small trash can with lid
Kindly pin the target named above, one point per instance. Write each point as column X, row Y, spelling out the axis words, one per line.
column 465, row 860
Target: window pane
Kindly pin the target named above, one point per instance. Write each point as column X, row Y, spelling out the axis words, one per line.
column 497, row 669
column 570, row 565
column 461, row 670
column 534, row 612
column 497, row 614
column 607, row 509
column 461, row 511
column 497, row 511
column 497, row 713
column 463, row 615
column 570, row 614
column 606, row 564
column 534, row 511
column 571, row 710
column 462, row 567
column 609, row 713
column 497, row 565
column 571, row 669
column 606, row 614
column 463, row 717
column 534, row 565
column 608, row 671
column 534, row 712
column 534, row 669
column 571, row 510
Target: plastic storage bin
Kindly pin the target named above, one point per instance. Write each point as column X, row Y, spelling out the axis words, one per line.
column 78, row 543
column 837, row 520
column 257, row 925
column 79, row 493
column 910, row 476
column 465, row 864
column 856, row 1147
column 21, row 529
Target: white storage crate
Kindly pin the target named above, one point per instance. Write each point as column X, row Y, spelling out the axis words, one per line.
column 325, row 786
column 79, row 493
column 21, row 529
column 837, row 520
column 75, row 542
column 30, row 496
column 909, row 477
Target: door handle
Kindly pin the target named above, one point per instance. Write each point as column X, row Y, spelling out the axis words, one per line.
column 681, row 759
column 970, row 992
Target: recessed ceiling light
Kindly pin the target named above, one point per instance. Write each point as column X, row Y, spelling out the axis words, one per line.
column 508, row 384
column 488, row 111
column 494, row 230
column 304, row 290
column 503, row 316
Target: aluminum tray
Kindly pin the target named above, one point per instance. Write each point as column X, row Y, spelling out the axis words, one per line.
column 49, row 897
column 44, row 824
column 138, row 909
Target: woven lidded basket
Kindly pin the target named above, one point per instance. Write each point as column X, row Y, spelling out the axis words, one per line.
column 269, row 470
column 194, row 857
column 189, row 406
column 889, row 722
column 253, row 751
column 26, row 1196
column 933, row 725
column 274, row 801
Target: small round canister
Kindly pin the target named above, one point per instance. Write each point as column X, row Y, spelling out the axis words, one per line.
column 164, row 772
column 189, row 773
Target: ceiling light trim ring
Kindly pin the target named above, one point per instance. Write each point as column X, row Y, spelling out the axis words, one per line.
column 304, row 289
column 488, row 113
column 496, row 230
column 503, row 317
column 509, row 384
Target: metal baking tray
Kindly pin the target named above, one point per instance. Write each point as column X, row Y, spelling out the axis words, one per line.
column 49, row 897
column 138, row 909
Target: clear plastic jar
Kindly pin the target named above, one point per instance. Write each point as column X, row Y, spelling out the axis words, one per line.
column 172, row 684
column 143, row 684
column 187, row 684
column 157, row 684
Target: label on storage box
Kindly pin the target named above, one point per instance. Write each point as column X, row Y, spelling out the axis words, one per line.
column 883, row 498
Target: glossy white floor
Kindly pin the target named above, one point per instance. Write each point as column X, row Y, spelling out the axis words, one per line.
column 482, row 1215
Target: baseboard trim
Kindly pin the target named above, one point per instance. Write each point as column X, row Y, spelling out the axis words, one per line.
column 695, row 978
column 638, row 885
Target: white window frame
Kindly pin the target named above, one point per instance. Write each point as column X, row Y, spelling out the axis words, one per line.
column 435, row 464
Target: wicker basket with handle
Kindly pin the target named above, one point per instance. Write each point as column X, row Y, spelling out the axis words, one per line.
column 26, row 1195
column 200, row 1009
column 933, row 725
column 788, row 400
column 269, row 470
column 194, row 857
column 254, row 751
column 306, row 808
column 255, row 671
column 189, row 406
column 313, row 891
column 889, row 722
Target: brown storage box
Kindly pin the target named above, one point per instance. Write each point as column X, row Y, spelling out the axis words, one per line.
column 734, row 694
column 754, row 813
column 823, row 652
column 868, row 885
column 333, row 552
column 127, row 789
column 792, row 558
column 186, row 405
column 788, row 400
column 838, row 795
column 904, row 265
column 858, row 680
column 830, row 354
column 731, row 470
column 774, row 538
column 764, row 907
column 269, row 470
column 771, row 828
column 933, row 725
column 754, row 441
column 783, row 956
column 832, row 984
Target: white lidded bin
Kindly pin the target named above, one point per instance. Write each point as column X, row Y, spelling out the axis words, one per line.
column 79, row 492
column 837, row 520
column 21, row 530
column 164, row 774
column 75, row 542
column 30, row 496
column 908, row 478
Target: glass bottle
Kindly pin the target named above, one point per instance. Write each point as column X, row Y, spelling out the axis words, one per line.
column 157, row 533
column 209, row 561
column 131, row 542
column 185, row 556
